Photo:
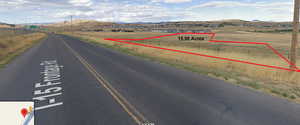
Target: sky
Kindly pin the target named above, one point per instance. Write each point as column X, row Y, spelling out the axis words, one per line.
column 47, row 11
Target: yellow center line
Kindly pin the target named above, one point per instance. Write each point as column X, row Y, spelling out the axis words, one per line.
column 129, row 108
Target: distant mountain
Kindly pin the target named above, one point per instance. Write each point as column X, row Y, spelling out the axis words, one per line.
column 6, row 25
column 139, row 23
column 229, row 20
column 1, row 23
column 36, row 23
column 79, row 23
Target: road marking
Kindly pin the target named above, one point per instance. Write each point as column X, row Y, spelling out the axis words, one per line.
column 48, row 106
column 129, row 108
column 42, row 98
column 37, row 85
column 52, row 100
column 48, row 90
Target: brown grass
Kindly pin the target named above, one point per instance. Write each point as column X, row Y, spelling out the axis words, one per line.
column 271, row 80
column 11, row 46
column 5, row 26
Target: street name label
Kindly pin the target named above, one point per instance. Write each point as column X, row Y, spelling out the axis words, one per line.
column 48, row 92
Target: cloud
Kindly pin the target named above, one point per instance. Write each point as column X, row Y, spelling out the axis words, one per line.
column 272, row 10
column 46, row 4
column 143, row 11
column 121, row 12
column 77, row 13
column 81, row 2
column 283, row 6
column 12, row 3
column 172, row 1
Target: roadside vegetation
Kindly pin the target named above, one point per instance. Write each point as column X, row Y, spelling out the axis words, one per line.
column 13, row 43
column 277, row 82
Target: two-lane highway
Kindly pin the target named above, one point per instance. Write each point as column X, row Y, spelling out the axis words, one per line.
column 76, row 83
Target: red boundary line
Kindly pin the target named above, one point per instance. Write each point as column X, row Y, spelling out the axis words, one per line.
column 212, row 36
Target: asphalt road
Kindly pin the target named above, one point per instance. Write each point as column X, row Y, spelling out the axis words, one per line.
column 76, row 83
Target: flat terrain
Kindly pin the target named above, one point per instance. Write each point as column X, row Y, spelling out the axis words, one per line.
column 102, row 86
column 276, row 82
column 14, row 42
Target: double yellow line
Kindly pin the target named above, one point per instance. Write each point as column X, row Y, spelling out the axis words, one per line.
column 129, row 108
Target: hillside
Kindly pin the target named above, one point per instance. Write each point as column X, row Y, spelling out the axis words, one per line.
column 216, row 25
column 79, row 23
column 5, row 25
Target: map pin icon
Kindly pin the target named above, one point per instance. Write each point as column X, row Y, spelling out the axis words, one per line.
column 24, row 112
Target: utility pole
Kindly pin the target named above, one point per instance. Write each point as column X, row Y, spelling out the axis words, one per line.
column 14, row 25
column 293, row 50
column 71, row 24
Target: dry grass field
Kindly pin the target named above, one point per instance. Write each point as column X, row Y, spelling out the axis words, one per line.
column 4, row 26
column 11, row 46
column 10, row 32
column 278, row 82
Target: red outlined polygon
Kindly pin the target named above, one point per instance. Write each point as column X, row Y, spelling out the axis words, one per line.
column 212, row 36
